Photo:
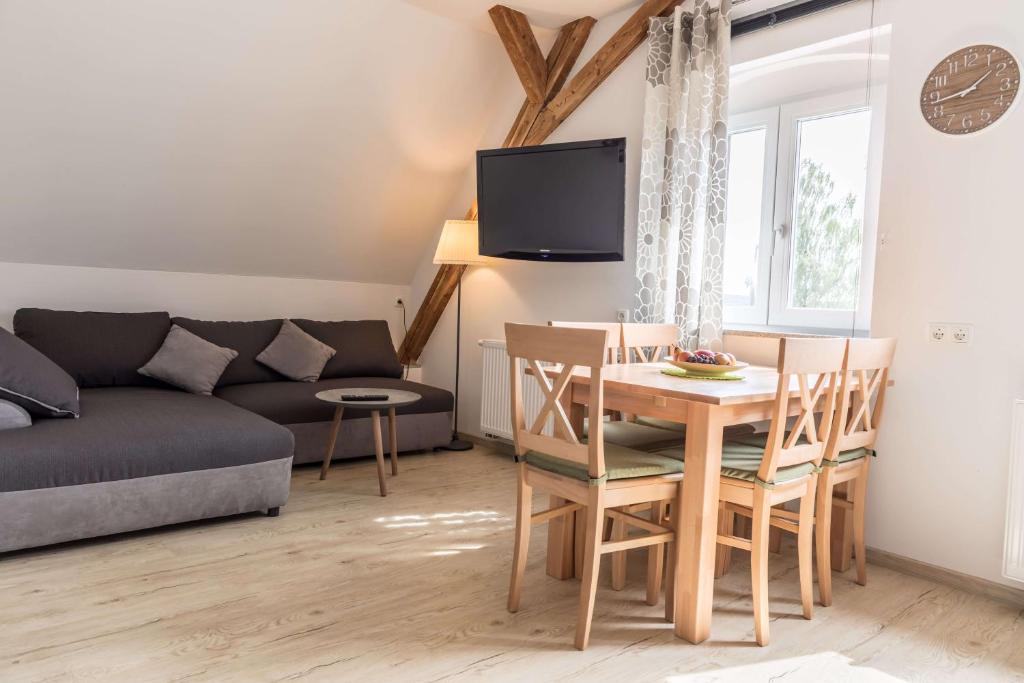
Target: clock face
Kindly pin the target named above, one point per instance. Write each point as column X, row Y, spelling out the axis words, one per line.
column 970, row 89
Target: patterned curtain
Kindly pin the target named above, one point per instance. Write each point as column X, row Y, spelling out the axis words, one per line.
column 683, row 175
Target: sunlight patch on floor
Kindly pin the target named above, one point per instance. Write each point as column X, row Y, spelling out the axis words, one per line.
column 823, row 666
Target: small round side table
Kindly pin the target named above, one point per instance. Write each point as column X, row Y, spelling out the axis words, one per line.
column 395, row 399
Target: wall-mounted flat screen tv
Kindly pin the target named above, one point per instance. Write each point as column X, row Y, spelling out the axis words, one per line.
column 564, row 202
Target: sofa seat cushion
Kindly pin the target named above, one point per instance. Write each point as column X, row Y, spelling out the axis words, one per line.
column 132, row 432
column 619, row 463
column 296, row 402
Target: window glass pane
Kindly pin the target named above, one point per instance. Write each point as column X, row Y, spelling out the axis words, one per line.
column 743, row 216
column 828, row 212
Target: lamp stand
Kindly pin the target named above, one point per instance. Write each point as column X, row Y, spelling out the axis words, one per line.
column 457, row 444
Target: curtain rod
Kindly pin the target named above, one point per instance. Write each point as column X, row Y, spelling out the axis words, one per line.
column 781, row 14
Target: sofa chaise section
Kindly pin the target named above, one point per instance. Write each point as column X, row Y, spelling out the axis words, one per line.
column 137, row 458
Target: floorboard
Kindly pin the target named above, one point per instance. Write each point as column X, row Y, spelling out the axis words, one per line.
column 346, row 585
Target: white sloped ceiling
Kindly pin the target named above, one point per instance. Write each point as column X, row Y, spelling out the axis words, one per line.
column 312, row 138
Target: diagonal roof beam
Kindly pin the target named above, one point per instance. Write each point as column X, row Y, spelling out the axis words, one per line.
column 521, row 45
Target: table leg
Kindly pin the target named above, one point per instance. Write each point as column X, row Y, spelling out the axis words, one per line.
column 378, row 442
column 697, row 525
column 560, row 564
column 331, row 441
column 562, row 553
column 393, row 438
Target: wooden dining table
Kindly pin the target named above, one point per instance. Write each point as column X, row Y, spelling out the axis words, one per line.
column 706, row 407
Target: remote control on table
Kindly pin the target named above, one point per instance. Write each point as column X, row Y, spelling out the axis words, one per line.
column 364, row 397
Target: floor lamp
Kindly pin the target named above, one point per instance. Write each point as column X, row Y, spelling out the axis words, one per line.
column 459, row 246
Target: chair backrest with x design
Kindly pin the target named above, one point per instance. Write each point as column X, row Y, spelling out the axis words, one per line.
column 614, row 344
column 567, row 348
column 862, row 388
column 815, row 366
column 647, row 342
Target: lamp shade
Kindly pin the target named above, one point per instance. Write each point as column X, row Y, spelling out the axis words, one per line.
column 459, row 244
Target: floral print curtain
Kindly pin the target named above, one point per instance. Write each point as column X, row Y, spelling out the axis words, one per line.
column 684, row 173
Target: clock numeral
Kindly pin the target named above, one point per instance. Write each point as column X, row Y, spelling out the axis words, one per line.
column 940, row 81
column 970, row 59
column 1005, row 84
column 985, row 116
column 938, row 112
column 966, row 122
column 1001, row 101
column 1000, row 68
column 954, row 67
column 950, row 122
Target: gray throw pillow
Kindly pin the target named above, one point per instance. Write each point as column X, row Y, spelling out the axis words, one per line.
column 295, row 354
column 13, row 416
column 33, row 381
column 188, row 362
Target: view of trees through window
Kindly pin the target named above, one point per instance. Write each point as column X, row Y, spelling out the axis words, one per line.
column 827, row 249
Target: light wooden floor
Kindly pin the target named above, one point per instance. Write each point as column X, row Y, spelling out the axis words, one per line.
column 348, row 586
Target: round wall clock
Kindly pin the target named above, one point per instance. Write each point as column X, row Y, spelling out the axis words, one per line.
column 970, row 89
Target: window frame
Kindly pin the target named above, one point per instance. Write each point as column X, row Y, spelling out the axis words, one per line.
column 767, row 119
column 780, row 195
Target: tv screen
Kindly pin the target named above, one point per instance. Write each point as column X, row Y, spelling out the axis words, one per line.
column 564, row 202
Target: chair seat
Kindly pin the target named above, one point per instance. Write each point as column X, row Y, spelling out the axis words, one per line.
column 730, row 431
column 638, row 436
column 847, row 456
column 619, row 463
column 741, row 459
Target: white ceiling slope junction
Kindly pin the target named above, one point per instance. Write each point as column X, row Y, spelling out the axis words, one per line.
column 320, row 139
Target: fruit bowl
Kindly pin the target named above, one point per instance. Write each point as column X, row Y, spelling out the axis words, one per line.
column 706, row 368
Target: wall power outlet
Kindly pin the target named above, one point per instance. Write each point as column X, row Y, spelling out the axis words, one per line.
column 622, row 315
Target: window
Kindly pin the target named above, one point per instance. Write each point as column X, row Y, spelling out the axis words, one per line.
column 798, row 237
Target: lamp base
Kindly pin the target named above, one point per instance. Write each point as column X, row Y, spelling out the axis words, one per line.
column 458, row 445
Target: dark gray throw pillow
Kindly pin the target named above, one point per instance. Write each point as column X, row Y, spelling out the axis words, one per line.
column 295, row 354
column 33, row 381
column 188, row 362
column 13, row 416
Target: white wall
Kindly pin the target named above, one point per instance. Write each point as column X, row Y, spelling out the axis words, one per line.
column 950, row 251
column 208, row 297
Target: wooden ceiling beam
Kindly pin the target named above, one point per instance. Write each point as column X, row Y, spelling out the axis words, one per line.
column 566, row 49
column 601, row 65
column 521, row 45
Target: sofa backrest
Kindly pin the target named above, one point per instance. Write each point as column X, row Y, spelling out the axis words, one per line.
column 247, row 338
column 96, row 349
column 107, row 349
column 364, row 347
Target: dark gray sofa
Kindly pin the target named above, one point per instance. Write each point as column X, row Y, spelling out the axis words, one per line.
column 144, row 454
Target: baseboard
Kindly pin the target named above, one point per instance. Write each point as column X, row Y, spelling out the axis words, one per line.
column 496, row 445
column 964, row 582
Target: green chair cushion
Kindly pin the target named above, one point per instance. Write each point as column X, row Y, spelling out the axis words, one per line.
column 639, row 437
column 741, row 459
column 619, row 463
column 661, row 424
column 847, row 456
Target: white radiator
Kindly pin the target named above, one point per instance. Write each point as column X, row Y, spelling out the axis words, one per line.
column 1013, row 552
column 495, row 396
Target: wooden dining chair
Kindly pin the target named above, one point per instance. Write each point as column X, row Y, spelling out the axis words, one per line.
column 621, row 431
column 851, row 444
column 595, row 476
column 765, row 470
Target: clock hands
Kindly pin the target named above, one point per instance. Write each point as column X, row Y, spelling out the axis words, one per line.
column 966, row 91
